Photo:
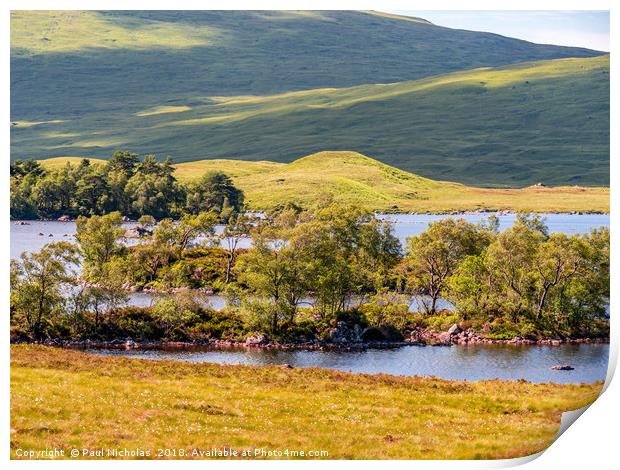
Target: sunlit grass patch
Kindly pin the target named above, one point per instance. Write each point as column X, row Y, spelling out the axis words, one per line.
column 86, row 143
column 20, row 124
column 58, row 162
column 63, row 399
column 42, row 32
column 163, row 110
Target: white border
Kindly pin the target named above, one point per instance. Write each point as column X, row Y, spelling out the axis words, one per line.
column 590, row 443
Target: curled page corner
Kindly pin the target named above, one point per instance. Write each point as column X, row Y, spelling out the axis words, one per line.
column 568, row 418
column 516, row 462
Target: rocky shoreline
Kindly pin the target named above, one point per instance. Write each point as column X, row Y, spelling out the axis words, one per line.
column 339, row 342
column 456, row 336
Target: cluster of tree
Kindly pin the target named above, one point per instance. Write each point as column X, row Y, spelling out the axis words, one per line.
column 308, row 268
column 556, row 282
column 124, row 184
column 162, row 258
column 331, row 255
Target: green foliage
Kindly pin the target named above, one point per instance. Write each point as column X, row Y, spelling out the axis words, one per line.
column 266, row 315
column 99, row 241
column 436, row 253
column 38, row 287
column 20, row 169
column 503, row 329
column 136, row 323
column 440, row 321
column 309, row 269
column 124, row 184
column 557, row 282
column 160, row 258
column 330, row 253
column 272, row 271
column 387, row 309
column 214, row 192
column 217, row 325
column 175, row 312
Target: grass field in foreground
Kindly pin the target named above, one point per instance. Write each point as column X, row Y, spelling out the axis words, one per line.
column 353, row 178
column 69, row 399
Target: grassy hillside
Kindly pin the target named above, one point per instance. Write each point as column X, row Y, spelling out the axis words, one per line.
column 59, row 162
column 185, row 171
column 236, row 169
column 177, row 83
column 72, row 62
column 354, row 178
column 350, row 177
column 152, row 404
column 511, row 126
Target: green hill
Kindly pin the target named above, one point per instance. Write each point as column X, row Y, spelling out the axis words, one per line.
column 350, row 177
column 515, row 125
column 260, row 86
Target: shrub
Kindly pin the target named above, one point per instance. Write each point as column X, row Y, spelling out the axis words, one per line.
column 387, row 309
column 176, row 312
column 264, row 315
column 136, row 323
column 505, row 329
column 217, row 325
column 441, row 321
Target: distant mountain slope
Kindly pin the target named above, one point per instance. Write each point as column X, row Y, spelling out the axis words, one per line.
column 69, row 63
column 545, row 121
column 350, row 177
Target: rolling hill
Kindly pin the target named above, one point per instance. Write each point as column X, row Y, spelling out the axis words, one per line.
column 511, row 126
column 350, row 177
column 439, row 102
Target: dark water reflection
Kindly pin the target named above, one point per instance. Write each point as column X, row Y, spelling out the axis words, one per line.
column 474, row 362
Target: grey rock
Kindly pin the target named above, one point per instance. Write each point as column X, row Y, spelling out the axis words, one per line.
column 257, row 338
column 343, row 333
column 454, row 330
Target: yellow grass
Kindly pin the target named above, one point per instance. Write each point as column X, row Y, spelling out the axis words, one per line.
column 34, row 123
column 42, row 31
column 354, row 178
column 163, row 110
column 350, row 177
column 234, row 168
column 66, row 399
column 59, row 162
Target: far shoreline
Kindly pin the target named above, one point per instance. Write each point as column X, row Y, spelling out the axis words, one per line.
column 498, row 212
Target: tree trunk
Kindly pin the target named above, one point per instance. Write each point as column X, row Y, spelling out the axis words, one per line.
column 433, row 304
column 228, row 268
column 274, row 325
column 541, row 303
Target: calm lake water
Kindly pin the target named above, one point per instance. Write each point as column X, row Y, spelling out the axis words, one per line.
column 407, row 225
column 32, row 237
column 471, row 363
column 218, row 302
column 475, row 362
